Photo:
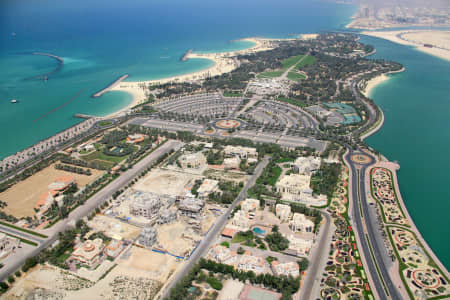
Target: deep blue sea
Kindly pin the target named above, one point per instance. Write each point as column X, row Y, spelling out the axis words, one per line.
column 102, row 40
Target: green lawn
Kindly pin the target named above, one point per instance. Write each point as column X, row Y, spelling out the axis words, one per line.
column 237, row 239
column 276, row 173
column 295, row 76
column 289, row 62
column 104, row 123
column 286, row 64
column 98, row 155
column 307, row 61
column 270, row 74
column 292, row 101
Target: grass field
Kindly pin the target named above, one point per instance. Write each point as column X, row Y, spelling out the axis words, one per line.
column 270, row 74
column 289, row 62
column 286, row 64
column 307, row 61
column 295, row 76
column 104, row 123
column 100, row 156
column 292, row 101
column 22, row 197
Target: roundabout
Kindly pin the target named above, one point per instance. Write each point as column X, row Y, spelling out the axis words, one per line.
column 227, row 123
column 361, row 159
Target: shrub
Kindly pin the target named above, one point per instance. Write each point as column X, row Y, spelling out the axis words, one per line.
column 225, row 244
column 214, row 283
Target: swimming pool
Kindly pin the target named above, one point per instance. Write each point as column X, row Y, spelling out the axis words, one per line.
column 258, row 230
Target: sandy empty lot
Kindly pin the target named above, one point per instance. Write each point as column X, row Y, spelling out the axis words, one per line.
column 165, row 182
column 22, row 197
column 137, row 276
column 113, row 228
column 170, row 237
column 156, row 265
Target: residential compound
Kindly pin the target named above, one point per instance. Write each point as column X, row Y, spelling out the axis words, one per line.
column 242, row 152
column 231, row 163
column 300, row 223
column 88, row 253
column 241, row 221
column 283, row 212
column 55, row 193
column 295, row 185
column 245, row 262
column 286, row 269
column 296, row 188
column 192, row 160
column 250, row 205
column 306, row 165
column 207, row 187
column 222, row 255
column 248, row 262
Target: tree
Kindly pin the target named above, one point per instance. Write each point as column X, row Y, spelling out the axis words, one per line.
column 303, row 264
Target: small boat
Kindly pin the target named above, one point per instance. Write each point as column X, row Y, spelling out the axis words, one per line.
column 14, row 101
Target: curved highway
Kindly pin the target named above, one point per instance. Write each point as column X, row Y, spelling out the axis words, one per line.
column 370, row 246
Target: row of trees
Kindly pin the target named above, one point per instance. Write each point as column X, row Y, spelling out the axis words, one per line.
column 73, row 169
column 68, row 160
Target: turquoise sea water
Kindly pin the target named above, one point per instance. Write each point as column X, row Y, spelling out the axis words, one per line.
column 102, row 40
column 416, row 104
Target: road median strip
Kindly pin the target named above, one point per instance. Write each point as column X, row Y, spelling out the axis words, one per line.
column 24, row 230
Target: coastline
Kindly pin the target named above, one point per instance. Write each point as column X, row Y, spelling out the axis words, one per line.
column 418, row 38
column 372, row 83
column 394, row 167
column 223, row 62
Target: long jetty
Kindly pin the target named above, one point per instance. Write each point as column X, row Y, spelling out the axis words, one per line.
column 109, row 87
column 185, row 57
column 46, row 75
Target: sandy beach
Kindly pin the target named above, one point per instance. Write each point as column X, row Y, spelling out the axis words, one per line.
column 439, row 40
column 372, row 83
column 224, row 62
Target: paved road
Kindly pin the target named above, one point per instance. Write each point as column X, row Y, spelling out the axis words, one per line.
column 317, row 261
column 365, row 225
column 218, row 227
column 85, row 209
column 21, row 234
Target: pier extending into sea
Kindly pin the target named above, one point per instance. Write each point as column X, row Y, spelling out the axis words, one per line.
column 185, row 57
column 110, row 87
